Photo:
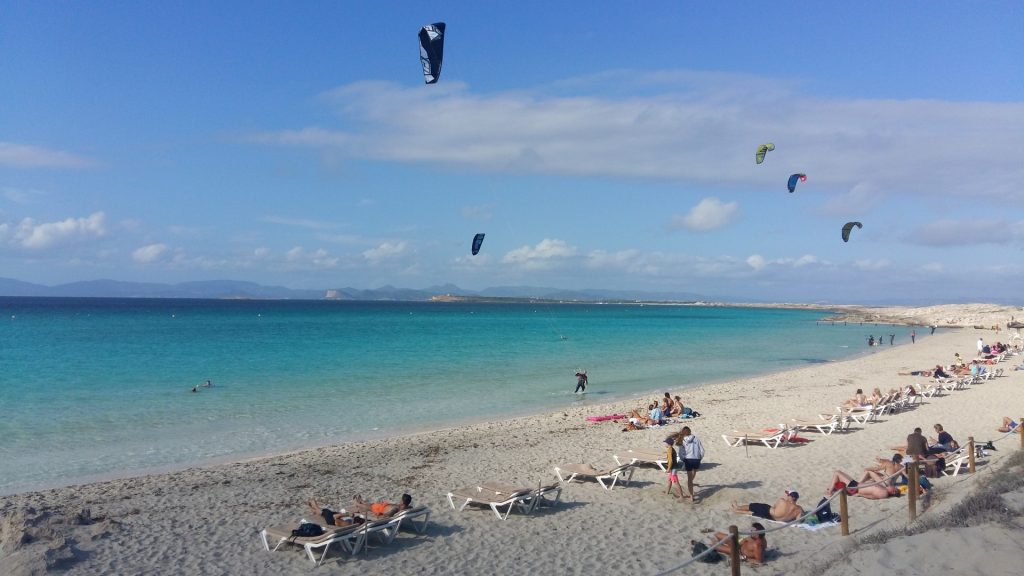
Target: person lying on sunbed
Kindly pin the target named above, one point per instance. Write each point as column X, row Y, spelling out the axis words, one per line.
column 784, row 509
column 751, row 547
column 381, row 509
column 332, row 518
column 841, row 480
column 858, row 400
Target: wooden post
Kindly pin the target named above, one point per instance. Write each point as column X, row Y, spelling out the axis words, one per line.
column 1020, row 432
column 844, row 521
column 734, row 549
column 970, row 456
column 913, row 485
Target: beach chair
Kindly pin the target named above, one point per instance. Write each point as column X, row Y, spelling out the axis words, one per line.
column 955, row 461
column 416, row 518
column 825, row 427
column 543, row 495
column 385, row 529
column 770, row 438
column 859, row 414
column 349, row 538
column 643, row 456
column 606, row 478
column 501, row 503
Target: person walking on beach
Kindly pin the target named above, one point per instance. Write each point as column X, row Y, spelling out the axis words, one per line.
column 913, row 336
column 691, row 452
column 581, row 382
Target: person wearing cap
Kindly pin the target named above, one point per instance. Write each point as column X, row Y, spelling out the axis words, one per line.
column 876, row 490
column 785, row 508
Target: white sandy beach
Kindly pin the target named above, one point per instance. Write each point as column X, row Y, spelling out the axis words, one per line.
column 206, row 520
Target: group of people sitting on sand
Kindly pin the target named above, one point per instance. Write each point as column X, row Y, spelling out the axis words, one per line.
column 659, row 412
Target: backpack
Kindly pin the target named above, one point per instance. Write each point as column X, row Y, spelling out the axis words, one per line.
column 825, row 514
column 712, row 558
column 308, row 529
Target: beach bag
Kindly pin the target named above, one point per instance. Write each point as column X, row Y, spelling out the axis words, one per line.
column 825, row 514
column 699, row 548
column 308, row 530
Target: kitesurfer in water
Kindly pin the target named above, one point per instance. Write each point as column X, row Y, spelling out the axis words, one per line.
column 581, row 381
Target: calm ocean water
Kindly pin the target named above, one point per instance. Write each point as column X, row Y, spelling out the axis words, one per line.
column 96, row 387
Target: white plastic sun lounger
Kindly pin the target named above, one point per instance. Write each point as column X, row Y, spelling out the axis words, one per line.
column 501, row 503
column 350, row 538
column 417, row 518
column 770, row 439
column 606, row 478
column 823, row 426
column 643, row 456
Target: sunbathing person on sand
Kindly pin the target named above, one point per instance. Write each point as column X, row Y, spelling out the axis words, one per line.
column 887, row 468
column 784, row 509
column 1009, row 425
column 841, row 480
column 751, row 547
column 381, row 509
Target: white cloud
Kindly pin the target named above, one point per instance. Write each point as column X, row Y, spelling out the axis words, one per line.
column 545, row 254
column 33, row 236
column 385, row 251
column 756, row 261
column 691, row 127
column 708, row 214
column 25, row 156
column 19, row 195
column 149, row 253
column 944, row 233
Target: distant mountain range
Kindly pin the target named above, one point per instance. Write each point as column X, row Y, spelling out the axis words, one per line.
column 233, row 289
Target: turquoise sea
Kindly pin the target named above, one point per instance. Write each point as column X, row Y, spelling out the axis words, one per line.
column 92, row 388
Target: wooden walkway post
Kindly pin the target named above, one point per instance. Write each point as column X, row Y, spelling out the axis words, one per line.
column 844, row 521
column 913, row 485
column 1020, row 431
column 970, row 452
column 734, row 549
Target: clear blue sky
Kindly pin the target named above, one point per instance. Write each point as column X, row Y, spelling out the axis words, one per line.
column 598, row 144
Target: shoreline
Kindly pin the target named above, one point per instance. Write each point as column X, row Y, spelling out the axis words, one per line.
column 184, row 520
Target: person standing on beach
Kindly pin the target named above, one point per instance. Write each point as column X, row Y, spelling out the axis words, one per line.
column 891, row 338
column 581, row 382
column 981, row 346
column 913, row 336
column 933, row 329
column 692, row 452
